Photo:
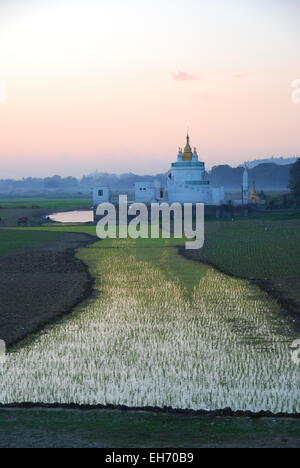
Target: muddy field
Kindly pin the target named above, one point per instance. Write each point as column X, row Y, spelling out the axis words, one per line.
column 38, row 286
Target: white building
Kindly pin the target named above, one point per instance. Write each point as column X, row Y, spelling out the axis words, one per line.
column 245, row 187
column 100, row 195
column 187, row 182
column 147, row 192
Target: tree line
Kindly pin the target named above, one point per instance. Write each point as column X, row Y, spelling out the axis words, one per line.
column 267, row 176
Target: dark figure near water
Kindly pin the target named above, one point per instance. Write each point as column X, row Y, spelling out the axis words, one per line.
column 22, row 221
column 2, row 221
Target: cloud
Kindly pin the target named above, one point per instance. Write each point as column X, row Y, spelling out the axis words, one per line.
column 184, row 76
column 241, row 75
column 211, row 97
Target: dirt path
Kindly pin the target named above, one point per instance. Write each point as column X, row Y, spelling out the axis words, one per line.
column 41, row 285
column 42, row 428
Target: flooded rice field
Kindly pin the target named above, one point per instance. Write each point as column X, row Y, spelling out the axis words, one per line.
column 160, row 331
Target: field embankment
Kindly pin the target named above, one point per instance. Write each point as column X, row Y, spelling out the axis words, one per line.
column 41, row 280
column 95, row 429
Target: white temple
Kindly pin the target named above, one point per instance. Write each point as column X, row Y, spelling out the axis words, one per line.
column 186, row 183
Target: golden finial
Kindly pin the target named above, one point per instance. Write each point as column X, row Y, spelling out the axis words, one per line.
column 187, row 154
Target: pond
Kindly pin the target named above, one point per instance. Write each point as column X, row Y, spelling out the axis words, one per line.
column 83, row 216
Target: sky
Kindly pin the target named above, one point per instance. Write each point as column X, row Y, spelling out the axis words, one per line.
column 113, row 85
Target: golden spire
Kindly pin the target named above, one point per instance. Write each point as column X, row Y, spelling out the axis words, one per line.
column 187, row 154
column 254, row 195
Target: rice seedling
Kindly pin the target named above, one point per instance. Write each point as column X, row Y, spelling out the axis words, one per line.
column 162, row 331
column 255, row 248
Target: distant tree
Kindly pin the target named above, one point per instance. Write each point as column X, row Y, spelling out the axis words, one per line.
column 53, row 182
column 69, row 182
column 262, row 195
column 281, row 202
column 287, row 201
column 274, row 203
column 295, row 182
column 267, row 176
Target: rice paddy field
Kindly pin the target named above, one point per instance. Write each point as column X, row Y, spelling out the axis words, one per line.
column 161, row 330
column 16, row 241
column 254, row 248
column 48, row 203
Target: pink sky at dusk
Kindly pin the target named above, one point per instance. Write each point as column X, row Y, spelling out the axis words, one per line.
column 113, row 85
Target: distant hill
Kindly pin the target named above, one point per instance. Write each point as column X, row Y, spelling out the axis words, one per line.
column 272, row 160
column 268, row 176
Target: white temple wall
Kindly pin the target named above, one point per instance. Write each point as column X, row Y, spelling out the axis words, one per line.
column 145, row 192
column 183, row 175
column 189, row 194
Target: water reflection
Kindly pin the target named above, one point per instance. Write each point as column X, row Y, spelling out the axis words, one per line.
column 73, row 217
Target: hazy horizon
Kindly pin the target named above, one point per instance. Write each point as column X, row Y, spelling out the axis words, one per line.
column 113, row 85
column 138, row 173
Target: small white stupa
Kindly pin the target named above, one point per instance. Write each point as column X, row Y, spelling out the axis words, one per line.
column 245, row 186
